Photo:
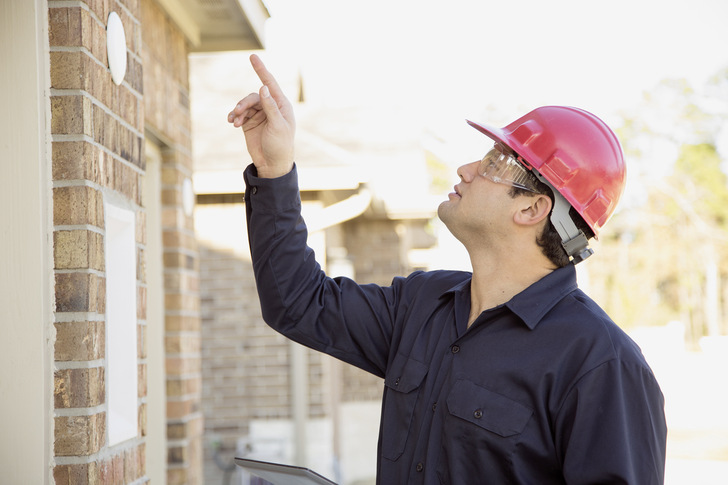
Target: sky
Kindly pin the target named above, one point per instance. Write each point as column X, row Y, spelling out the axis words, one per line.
column 457, row 57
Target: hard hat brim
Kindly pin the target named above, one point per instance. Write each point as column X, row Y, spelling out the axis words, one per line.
column 496, row 134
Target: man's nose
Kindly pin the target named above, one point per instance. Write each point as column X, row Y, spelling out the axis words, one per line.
column 468, row 171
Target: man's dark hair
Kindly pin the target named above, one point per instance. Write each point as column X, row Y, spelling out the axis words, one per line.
column 550, row 241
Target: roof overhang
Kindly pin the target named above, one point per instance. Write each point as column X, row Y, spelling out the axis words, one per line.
column 219, row 25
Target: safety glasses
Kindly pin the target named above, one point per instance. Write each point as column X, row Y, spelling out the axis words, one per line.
column 504, row 168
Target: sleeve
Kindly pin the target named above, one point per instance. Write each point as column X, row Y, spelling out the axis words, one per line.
column 612, row 429
column 351, row 322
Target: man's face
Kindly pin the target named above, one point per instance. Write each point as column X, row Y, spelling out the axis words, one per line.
column 478, row 207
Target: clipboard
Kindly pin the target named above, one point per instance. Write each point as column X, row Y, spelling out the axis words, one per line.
column 280, row 474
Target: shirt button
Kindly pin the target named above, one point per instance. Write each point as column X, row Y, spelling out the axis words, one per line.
column 396, row 382
column 455, row 349
column 478, row 414
column 420, row 467
column 254, row 190
column 434, row 406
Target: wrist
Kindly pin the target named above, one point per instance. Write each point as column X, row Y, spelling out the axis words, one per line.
column 274, row 172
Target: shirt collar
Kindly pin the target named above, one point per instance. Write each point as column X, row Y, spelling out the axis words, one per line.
column 534, row 302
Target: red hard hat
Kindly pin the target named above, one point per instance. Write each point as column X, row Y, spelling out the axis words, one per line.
column 575, row 151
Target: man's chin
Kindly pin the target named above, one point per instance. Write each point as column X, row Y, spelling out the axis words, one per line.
column 444, row 213
column 442, row 210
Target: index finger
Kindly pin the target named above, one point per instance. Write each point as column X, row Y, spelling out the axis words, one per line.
column 266, row 77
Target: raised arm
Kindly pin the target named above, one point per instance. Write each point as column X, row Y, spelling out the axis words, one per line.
column 268, row 123
column 350, row 322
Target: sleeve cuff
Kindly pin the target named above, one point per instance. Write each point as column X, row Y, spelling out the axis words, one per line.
column 274, row 194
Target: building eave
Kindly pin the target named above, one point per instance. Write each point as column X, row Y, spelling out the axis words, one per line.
column 219, row 25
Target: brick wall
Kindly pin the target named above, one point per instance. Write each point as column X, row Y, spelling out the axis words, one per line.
column 167, row 115
column 98, row 131
column 245, row 364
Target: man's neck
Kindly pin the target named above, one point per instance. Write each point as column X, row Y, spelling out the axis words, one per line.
column 497, row 280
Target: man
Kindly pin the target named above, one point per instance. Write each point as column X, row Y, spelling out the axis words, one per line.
column 510, row 374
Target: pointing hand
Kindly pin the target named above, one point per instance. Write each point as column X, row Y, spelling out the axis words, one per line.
column 268, row 123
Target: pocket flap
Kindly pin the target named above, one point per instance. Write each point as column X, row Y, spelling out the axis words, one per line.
column 487, row 409
column 405, row 374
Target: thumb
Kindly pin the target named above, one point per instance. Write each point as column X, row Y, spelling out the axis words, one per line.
column 270, row 106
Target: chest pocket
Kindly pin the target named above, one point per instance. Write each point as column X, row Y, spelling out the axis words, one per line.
column 403, row 379
column 487, row 409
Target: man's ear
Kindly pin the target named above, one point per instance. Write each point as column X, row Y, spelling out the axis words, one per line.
column 533, row 209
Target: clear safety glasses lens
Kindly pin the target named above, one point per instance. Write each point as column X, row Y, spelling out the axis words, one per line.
column 504, row 168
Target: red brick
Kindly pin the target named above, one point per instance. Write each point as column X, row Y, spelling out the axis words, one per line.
column 80, row 292
column 80, row 340
column 78, row 388
column 79, row 435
